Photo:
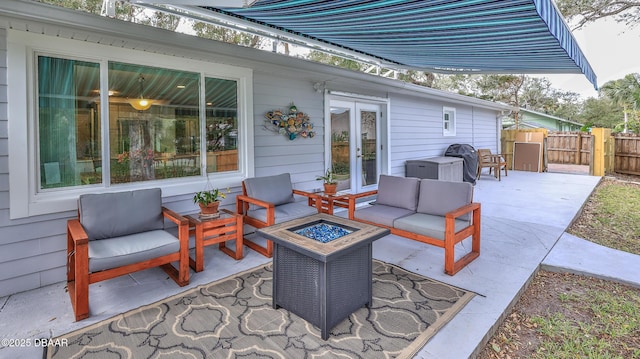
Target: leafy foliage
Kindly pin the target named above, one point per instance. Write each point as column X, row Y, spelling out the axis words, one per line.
column 328, row 177
column 625, row 93
column 323, row 57
column 584, row 12
column 124, row 11
column 208, row 196
column 219, row 33
column 600, row 112
column 517, row 90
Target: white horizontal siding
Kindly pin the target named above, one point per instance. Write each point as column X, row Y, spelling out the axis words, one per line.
column 416, row 129
column 273, row 152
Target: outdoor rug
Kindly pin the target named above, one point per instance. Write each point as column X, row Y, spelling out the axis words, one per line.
column 233, row 318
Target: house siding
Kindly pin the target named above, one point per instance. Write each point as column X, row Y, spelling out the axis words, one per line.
column 416, row 129
column 274, row 153
column 534, row 119
column 33, row 249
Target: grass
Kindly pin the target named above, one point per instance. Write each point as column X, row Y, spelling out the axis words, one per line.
column 563, row 315
column 610, row 319
column 611, row 217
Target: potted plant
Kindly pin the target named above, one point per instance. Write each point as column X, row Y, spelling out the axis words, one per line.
column 209, row 200
column 330, row 182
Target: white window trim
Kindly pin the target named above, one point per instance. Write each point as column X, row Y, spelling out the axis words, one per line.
column 452, row 121
column 25, row 200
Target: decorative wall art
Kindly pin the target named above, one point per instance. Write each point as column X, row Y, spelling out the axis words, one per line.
column 291, row 125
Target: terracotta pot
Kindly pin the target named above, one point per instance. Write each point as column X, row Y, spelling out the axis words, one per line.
column 330, row 188
column 211, row 208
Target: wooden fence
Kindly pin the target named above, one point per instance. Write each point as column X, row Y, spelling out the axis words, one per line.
column 627, row 153
column 618, row 153
column 569, row 148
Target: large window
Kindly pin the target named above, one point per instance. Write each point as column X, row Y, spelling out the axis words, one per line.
column 101, row 118
column 153, row 130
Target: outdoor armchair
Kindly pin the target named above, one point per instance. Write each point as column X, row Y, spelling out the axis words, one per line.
column 121, row 233
column 268, row 200
column 495, row 162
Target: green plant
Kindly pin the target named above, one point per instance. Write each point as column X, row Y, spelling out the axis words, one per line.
column 206, row 197
column 328, row 177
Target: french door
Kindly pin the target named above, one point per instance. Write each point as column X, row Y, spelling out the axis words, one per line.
column 355, row 144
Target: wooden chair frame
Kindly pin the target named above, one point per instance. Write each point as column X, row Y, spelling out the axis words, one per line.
column 451, row 237
column 495, row 162
column 242, row 206
column 79, row 278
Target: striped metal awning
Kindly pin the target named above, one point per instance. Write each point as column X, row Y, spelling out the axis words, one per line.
column 464, row 36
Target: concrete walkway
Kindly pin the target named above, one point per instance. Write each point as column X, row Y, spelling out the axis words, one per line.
column 576, row 255
column 524, row 217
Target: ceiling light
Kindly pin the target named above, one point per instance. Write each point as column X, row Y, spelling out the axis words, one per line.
column 141, row 104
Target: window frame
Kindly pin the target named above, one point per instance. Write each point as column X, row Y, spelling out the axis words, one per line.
column 23, row 48
column 451, row 130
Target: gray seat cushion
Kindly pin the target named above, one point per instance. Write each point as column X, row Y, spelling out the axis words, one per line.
column 285, row 212
column 273, row 189
column 108, row 215
column 439, row 197
column 175, row 232
column 382, row 214
column 426, row 224
column 133, row 248
column 399, row 192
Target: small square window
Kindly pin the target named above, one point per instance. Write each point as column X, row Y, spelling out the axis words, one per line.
column 448, row 121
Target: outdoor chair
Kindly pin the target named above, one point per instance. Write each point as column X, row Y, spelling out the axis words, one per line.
column 121, row 233
column 268, row 200
column 495, row 163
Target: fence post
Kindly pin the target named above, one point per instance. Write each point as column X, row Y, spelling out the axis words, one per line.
column 598, row 144
column 578, row 159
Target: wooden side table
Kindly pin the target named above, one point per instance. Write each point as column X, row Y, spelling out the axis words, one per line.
column 208, row 231
column 327, row 202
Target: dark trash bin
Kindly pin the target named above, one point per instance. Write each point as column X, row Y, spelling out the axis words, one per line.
column 470, row 157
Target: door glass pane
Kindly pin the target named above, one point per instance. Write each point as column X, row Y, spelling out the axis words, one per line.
column 369, row 142
column 340, row 154
column 68, row 122
column 222, row 125
column 154, row 130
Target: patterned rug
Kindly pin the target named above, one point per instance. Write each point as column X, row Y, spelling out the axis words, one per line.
column 233, row 317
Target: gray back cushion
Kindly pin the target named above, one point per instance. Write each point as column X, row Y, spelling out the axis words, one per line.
column 273, row 189
column 108, row 215
column 399, row 192
column 439, row 197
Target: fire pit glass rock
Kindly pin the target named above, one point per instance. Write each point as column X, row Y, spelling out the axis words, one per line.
column 323, row 231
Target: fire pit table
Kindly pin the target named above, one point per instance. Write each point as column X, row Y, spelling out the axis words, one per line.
column 322, row 269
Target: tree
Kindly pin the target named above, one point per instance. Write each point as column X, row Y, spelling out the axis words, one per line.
column 533, row 93
column 91, row 6
column 600, row 112
column 588, row 11
column 625, row 93
column 462, row 84
column 421, row 78
column 219, row 33
column 325, row 58
column 125, row 11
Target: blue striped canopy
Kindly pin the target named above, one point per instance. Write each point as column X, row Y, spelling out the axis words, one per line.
column 465, row 36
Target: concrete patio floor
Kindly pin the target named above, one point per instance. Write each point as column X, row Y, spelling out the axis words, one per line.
column 523, row 217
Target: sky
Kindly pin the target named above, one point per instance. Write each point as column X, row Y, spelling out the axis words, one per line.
column 612, row 49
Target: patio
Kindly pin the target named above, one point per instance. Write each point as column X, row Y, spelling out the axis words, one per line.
column 523, row 216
